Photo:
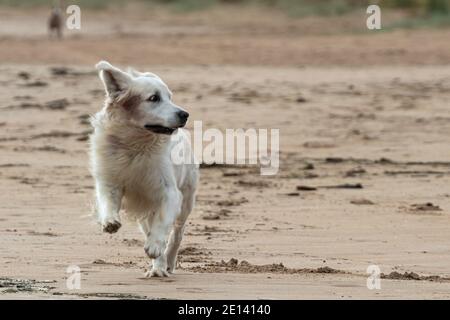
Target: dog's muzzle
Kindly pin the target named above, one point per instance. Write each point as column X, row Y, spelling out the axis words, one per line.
column 182, row 118
column 159, row 129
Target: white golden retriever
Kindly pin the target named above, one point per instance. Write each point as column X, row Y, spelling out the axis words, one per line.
column 131, row 162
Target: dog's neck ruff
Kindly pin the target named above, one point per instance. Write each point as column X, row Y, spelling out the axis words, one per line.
column 125, row 135
column 136, row 139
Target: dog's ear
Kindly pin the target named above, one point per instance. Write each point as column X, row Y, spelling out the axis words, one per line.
column 115, row 80
column 136, row 74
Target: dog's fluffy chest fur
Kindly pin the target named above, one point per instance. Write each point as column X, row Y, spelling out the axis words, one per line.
column 134, row 160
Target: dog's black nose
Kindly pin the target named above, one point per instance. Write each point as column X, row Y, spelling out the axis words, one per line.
column 183, row 115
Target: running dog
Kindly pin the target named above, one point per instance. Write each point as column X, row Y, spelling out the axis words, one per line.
column 130, row 153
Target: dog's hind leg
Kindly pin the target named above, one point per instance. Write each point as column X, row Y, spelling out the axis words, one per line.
column 109, row 200
column 176, row 235
column 177, row 232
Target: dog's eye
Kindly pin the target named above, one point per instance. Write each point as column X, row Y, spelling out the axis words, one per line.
column 153, row 98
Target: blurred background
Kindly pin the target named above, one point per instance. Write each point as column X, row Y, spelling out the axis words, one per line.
column 256, row 32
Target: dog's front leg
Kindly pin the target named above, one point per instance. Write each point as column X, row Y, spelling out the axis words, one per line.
column 162, row 222
column 109, row 199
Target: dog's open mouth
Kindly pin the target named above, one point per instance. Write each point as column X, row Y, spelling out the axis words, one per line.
column 159, row 129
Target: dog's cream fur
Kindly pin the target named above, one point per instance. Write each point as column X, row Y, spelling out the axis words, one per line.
column 132, row 165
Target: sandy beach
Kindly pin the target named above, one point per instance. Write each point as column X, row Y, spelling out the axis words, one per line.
column 364, row 160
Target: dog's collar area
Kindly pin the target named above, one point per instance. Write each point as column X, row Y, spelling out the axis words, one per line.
column 159, row 129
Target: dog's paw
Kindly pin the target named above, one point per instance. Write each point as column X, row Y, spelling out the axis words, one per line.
column 111, row 226
column 156, row 272
column 154, row 249
column 172, row 264
column 170, row 269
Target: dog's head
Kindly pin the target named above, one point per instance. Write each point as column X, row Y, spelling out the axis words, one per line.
column 142, row 98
